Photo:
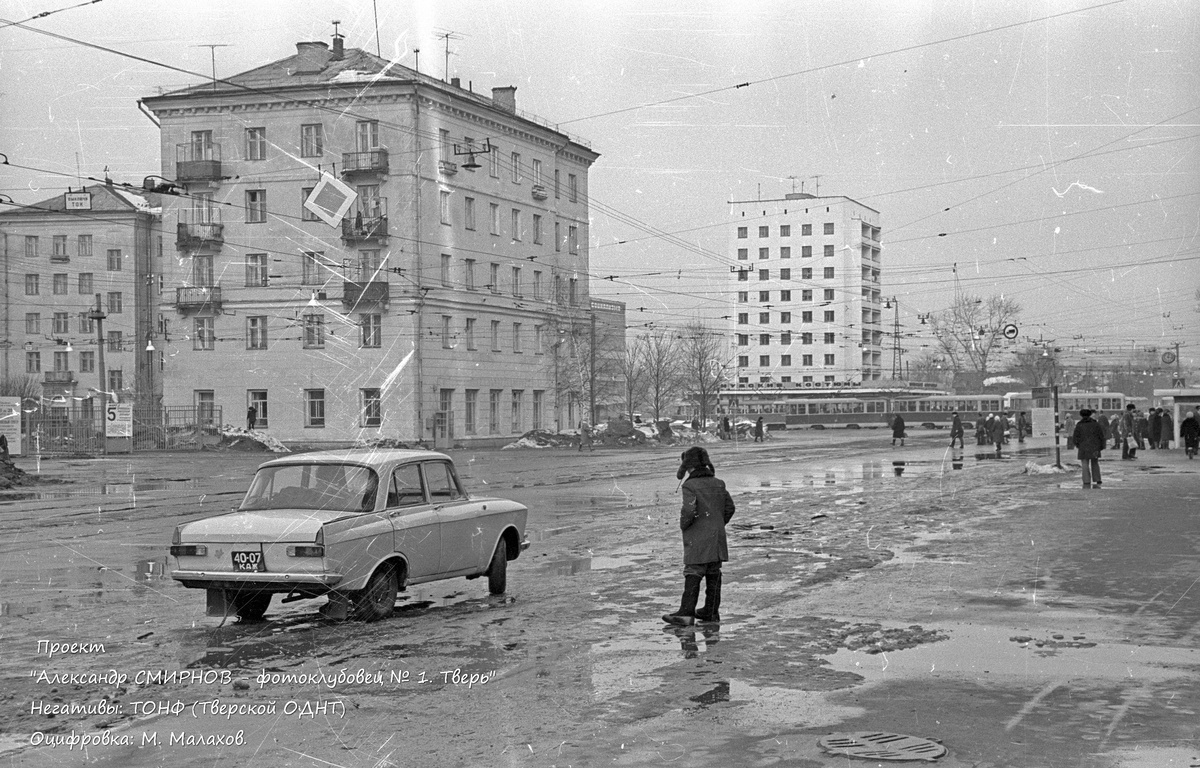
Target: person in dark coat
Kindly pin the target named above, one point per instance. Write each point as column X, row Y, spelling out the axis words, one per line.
column 1021, row 426
column 981, row 430
column 1090, row 441
column 707, row 509
column 1168, row 431
column 1155, row 427
column 1139, row 429
column 956, row 430
column 999, row 430
column 898, row 430
column 758, row 431
column 1189, row 433
column 1102, row 420
column 1128, row 443
column 251, row 417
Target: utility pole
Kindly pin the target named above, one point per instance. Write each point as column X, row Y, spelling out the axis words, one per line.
column 97, row 315
column 592, row 385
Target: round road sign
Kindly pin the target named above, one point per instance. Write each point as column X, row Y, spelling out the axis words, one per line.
column 1010, row 331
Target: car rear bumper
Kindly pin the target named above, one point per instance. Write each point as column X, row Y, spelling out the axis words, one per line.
column 524, row 543
column 234, row 579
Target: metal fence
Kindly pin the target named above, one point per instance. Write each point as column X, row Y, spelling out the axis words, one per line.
column 80, row 430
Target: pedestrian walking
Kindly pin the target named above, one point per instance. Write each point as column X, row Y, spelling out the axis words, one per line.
column 956, row 430
column 1155, row 427
column 1140, row 425
column 1021, row 425
column 759, row 435
column 1189, row 432
column 1114, row 428
column 707, row 509
column 725, row 428
column 1128, row 446
column 1090, row 441
column 251, row 417
column 999, row 430
column 898, row 430
column 1102, row 420
column 585, row 436
column 1167, row 434
column 1069, row 431
column 981, row 430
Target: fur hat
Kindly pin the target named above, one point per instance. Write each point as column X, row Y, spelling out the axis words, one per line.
column 692, row 459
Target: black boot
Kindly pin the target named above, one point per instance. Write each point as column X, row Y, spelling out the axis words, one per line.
column 686, row 615
column 712, row 599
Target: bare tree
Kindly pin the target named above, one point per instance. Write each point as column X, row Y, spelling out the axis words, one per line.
column 25, row 387
column 634, row 372
column 1036, row 365
column 971, row 332
column 703, row 364
column 928, row 366
column 576, row 377
column 664, row 375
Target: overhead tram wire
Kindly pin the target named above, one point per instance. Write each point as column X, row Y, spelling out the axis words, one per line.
column 44, row 14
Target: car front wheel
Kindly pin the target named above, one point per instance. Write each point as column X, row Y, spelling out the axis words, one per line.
column 250, row 606
column 498, row 570
column 378, row 599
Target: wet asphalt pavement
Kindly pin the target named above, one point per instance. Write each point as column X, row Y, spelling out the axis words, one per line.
column 1014, row 618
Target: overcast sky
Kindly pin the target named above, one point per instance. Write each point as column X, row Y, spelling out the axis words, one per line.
column 1054, row 160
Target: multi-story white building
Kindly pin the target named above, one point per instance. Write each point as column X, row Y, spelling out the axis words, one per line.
column 431, row 311
column 806, row 292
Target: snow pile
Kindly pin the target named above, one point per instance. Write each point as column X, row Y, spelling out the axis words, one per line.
column 1033, row 468
column 540, row 438
column 240, row 439
column 385, row 442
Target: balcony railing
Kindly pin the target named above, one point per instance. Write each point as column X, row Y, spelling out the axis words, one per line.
column 59, row 377
column 197, row 162
column 198, row 298
column 199, row 227
column 371, row 161
column 448, row 167
column 539, row 192
column 367, row 222
column 356, row 293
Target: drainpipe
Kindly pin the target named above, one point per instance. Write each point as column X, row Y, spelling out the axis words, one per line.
column 142, row 108
column 420, row 390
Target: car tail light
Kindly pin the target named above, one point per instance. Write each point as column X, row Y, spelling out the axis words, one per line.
column 306, row 550
column 189, row 550
column 177, row 536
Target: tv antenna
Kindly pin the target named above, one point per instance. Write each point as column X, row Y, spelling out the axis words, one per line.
column 448, row 35
column 817, row 178
column 212, row 49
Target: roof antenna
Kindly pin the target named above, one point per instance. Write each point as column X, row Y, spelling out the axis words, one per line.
column 375, row 5
column 212, row 49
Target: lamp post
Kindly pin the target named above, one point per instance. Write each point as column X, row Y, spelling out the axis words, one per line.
column 891, row 303
column 97, row 315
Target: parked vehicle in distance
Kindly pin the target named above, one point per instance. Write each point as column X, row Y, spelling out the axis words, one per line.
column 355, row 525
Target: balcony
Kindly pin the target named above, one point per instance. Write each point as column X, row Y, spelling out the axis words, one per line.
column 367, row 222
column 199, row 228
column 356, row 293
column 202, row 298
column 448, row 167
column 371, row 161
column 539, row 192
column 197, row 162
column 59, row 377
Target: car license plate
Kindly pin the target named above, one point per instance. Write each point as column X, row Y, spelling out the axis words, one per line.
column 248, row 561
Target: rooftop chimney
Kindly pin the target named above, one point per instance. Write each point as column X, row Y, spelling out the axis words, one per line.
column 505, row 98
column 457, row 83
column 312, row 58
column 339, row 50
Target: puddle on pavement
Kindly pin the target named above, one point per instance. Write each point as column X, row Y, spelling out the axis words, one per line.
column 577, row 565
column 127, row 489
column 54, row 589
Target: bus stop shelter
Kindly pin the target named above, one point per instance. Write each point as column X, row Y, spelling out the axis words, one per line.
column 1181, row 400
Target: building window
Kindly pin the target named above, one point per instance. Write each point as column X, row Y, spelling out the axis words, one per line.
column 256, row 332
column 84, row 245
column 494, row 410
column 538, row 342
column 537, row 229
column 806, row 273
column 743, row 318
column 828, row 273
column 829, row 360
column 572, row 188
column 471, row 404
column 494, row 278
column 743, row 297
column 518, row 418
column 256, row 400
column 86, row 323
column 33, row 323
column 447, row 336
column 314, row 331
column 828, row 251
column 62, row 322
column 557, row 237
column 806, row 360
column 743, row 361
column 806, row 251
column 494, row 208
column 305, row 213
column 828, row 294
column 256, row 270
column 572, row 239
column 764, row 253
column 516, row 224
column 785, row 230
column 764, row 318
column 311, row 270
column 785, row 295
column 469, row 274
column 743, row 339
column 785, row 361
column 764, row 361
column 31, row 247
column 366, row 135
column 60, row 284
column 785, row 318
column 469, row 333
column 204, row 333
column 372, row 407
column 831, row 338
column 494, row 162
column 517, row 338
column 256, row 206
column 829, row 315
column 370, row 331
column 805, row 229
column 469, row 213
column 829, row 227
column 114, row 302
column 444, row 206
column 572, row 292
column 557, row 184
column 114, row 259
column 445, row 270
column 764, row 274
column 516, row 167
column 742, row 233
column 495, row 335
column 312, row 140
column 743, row 254
column 116, row 380
column 537, row 284
column 764, row 295
column 314, row 408
column 202, row 270
column 516, row 281
column 806, row 295
column 764, row 231
column 537, row 172
column 256, row 143
column 87, row 362
column 60, row 248
column 764, row 339
column 785, row 338
column 806, row 317
column 785, row 252
column 743, row 275
column 539, row 396
column 785, row 274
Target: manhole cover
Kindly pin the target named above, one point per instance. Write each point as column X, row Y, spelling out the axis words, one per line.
column 874, row 745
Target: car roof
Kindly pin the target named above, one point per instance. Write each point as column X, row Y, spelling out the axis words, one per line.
column 368, row 456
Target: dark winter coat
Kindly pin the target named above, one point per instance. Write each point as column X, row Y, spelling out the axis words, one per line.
column 999, row 427
column 1189, row 431
column 1102, row 420
column 898, row 427
column 956, row 427
column 1168, row 429
column 1155, row 426
column 1089, row 438
column 707, row 507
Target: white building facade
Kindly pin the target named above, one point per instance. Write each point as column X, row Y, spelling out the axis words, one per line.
column 807, row 309
column 428, row 313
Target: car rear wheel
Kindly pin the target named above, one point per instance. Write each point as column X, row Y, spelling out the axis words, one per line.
column 378, row 599
column 250, row 606
column 498, row 570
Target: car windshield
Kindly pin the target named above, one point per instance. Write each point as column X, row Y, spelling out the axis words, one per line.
column 332, row 487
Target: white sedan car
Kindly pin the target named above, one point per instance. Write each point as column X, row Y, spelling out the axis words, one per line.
column 356, row 525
